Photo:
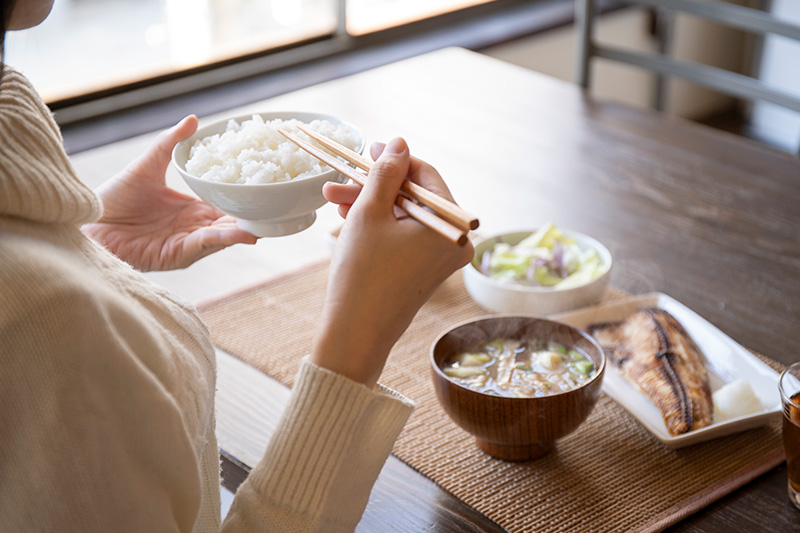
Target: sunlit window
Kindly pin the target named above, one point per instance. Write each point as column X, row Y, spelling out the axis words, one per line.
column 88, row 46
column 365, row 16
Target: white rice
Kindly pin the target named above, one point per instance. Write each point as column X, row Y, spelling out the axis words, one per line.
column 255, row 152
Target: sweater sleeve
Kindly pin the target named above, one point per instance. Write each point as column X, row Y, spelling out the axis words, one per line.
column 324, row 457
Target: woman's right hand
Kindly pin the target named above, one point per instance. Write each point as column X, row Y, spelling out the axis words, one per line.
column 384, row 268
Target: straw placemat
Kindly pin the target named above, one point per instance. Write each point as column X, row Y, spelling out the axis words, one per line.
column 609, row 475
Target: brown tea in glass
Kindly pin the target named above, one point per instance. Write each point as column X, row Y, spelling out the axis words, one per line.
column 789, row 386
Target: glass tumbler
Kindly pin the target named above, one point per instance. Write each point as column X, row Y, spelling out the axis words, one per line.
column 789, row 386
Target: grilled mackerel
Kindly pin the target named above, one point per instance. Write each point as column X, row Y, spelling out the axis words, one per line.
column 652, row 350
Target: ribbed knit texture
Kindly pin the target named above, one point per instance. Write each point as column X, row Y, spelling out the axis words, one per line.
column 107, row 381
column 32, row 156
column 319, row 467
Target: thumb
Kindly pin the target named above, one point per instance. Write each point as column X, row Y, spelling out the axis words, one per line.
column 167, row 139
column 155, row 160
column 387, row 174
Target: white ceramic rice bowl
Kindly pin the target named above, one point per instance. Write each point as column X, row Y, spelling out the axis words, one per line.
column 519, row 299
column 264, row 209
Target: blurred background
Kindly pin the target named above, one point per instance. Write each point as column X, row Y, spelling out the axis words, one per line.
column 149, row 62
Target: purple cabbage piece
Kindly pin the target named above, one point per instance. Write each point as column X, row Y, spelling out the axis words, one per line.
column 558, row 254
column 559, row 268
column 485, row 262
column 530, row 274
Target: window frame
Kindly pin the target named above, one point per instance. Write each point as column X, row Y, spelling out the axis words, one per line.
column 472, row 27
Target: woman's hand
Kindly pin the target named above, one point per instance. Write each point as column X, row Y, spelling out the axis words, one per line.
column 153, row 227
column 384, row 267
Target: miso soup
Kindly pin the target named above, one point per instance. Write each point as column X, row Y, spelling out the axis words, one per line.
column 520, row 369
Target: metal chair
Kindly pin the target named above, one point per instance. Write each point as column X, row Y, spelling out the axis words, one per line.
column 724, row 81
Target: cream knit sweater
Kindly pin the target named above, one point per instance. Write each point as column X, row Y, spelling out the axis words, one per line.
column 107, row 381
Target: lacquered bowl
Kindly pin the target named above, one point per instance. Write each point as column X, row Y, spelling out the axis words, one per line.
column 515, row 429
column 264, row 209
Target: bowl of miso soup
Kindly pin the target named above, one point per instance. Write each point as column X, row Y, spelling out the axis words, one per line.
column 517, row 383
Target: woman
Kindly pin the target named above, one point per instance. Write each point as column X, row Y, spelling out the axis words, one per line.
column 107, row 386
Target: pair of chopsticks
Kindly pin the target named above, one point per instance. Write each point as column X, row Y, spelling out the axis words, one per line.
column 441, row 215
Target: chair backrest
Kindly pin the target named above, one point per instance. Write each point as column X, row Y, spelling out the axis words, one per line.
column 724, row 81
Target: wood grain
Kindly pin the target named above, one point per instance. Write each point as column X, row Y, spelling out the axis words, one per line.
column 707, row 217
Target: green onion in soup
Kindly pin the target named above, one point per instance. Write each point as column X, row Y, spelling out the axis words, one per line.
column 523, row 369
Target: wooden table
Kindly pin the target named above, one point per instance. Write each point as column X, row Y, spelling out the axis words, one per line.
column 706, row 217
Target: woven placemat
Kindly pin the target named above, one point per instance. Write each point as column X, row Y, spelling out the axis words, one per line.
column 609, row 475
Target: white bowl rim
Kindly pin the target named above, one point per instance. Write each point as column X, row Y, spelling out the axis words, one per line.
column 600, row 371
column 605, row 256
column 246, row 116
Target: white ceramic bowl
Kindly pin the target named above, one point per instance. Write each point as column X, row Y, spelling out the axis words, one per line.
column 519, row 299
column 264, row 209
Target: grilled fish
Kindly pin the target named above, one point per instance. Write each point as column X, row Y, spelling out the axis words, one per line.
column 653, row 350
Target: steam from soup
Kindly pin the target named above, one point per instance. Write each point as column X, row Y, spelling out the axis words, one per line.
column 520, row 369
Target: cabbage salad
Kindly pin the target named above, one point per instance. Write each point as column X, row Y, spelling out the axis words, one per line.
column 546, row 258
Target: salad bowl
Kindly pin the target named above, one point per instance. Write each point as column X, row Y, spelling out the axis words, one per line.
column 539, row 272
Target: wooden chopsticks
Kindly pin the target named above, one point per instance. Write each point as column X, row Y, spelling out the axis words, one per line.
column 444, row 217
column 444, row 208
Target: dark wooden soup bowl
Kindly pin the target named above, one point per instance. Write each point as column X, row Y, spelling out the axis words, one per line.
column 515, row 429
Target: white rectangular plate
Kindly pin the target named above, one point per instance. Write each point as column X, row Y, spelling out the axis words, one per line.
column 726, row 361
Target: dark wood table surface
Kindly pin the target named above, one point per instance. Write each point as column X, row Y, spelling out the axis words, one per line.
column 707, row 217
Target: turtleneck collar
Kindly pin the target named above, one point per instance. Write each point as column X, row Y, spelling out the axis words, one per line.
column 37, row 180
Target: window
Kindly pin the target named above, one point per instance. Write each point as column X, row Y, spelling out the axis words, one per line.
column 91, row 46
column 365, row 16
column 86, row 46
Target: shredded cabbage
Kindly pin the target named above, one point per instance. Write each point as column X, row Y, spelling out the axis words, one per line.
column 545, row 258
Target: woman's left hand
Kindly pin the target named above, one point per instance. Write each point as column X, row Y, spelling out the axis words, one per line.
column 153, row 227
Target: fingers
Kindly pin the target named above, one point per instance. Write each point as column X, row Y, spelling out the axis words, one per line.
column 167, row 139
column 223, row 231
column 187, row 126
column 344, row 209
column 153, row 163
column 387, row 175
column 228, row 236
column 419, row 172
column 395, row 164
column 205, row 241
column 428, row 177
column 376, row 150
column 340, row 193
column 182, row 130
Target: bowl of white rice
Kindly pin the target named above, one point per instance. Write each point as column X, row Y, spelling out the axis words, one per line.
column 245, row 168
